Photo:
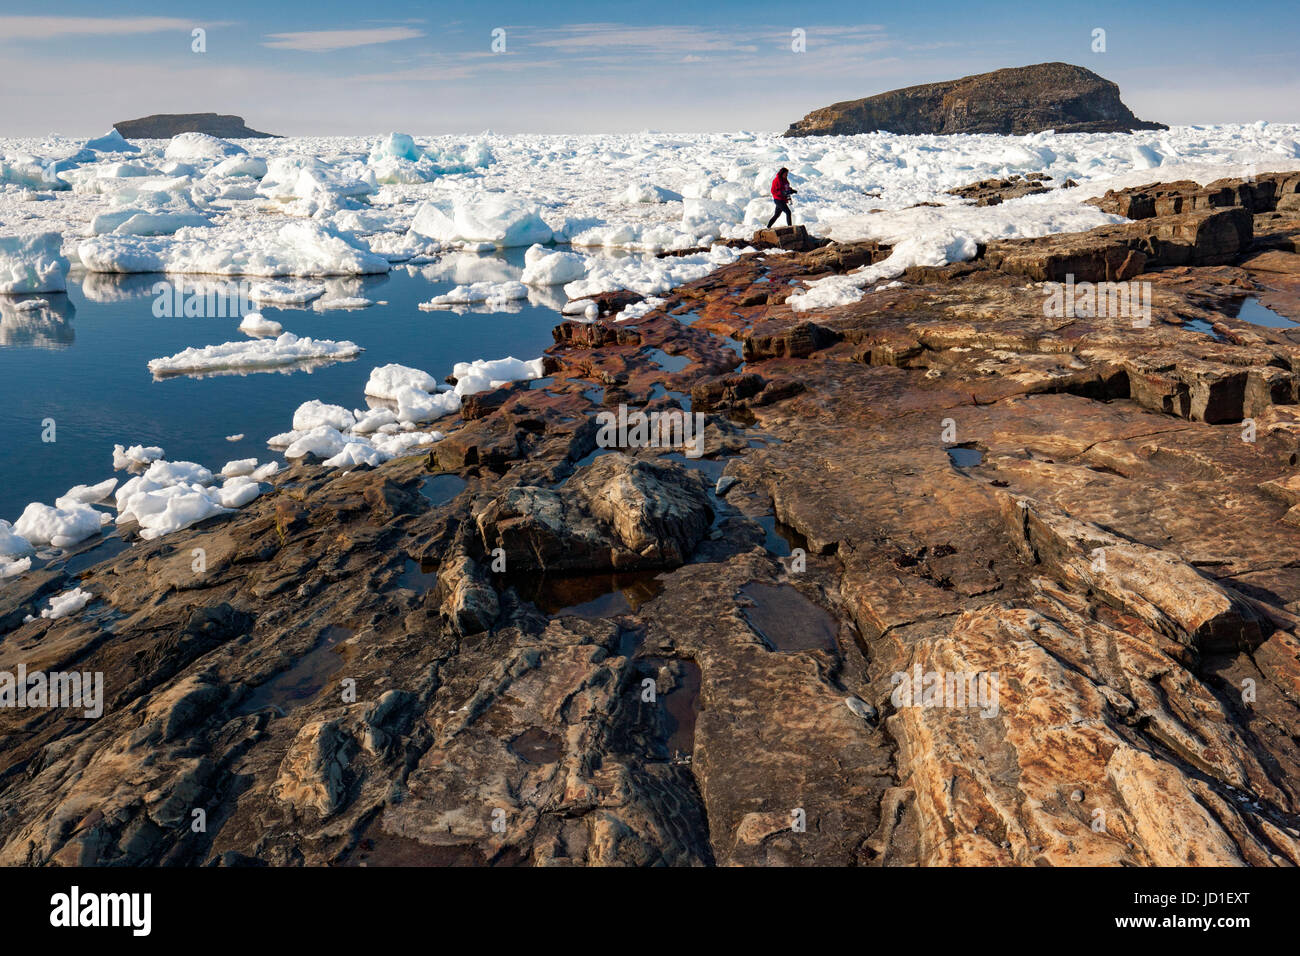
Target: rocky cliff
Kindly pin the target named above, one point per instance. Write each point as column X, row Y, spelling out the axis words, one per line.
column 1027, row 99
column 167, row 125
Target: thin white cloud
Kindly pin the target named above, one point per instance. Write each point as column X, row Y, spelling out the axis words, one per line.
column 326, row 41
column 43, row 28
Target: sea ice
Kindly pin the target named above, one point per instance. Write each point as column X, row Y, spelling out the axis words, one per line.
column 58, row 527
column 500, row 220
column 69, row 602
column 32, row 262
column 254, row 323
column 286, row 349
column 191, row 146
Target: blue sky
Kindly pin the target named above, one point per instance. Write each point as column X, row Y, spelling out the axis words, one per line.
column 333, row 67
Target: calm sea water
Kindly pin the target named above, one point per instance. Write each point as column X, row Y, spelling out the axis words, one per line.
column 89, row 374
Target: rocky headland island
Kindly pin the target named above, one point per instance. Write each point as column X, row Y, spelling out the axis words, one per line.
column 167, row 125
column 1015, row 101
column 525, row 648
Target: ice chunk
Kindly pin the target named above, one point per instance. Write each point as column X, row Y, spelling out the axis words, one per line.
column 396, row 146
column 86, row 494
column 111, row 142
column 417, row 405
column 482, row 374
column 386, row 379
column 545, row 268
column 178, row 472
column 134, row 457
column 284, row 293
column 240, row 166
column 315, row 413
column 254, row 323
column 356, row 453
column 260, row 353
column 139, row 222
column 266, row 471
column 238, row 491
column 33, row 262
column 645, row 193
column 321, row 441
column 500, row 220
column 189, row 146
column 69, row 602
column 170, row 509
column 478, row 293
column 59, row 527
column 239, row 468
column 12, row 544
column 343, row 302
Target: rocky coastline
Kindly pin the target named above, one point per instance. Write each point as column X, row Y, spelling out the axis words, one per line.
column 526, row 648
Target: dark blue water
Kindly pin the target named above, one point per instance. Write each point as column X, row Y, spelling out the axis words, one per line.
column 89, row 373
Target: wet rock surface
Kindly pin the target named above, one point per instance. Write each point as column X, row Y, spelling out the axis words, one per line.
column 828, row 638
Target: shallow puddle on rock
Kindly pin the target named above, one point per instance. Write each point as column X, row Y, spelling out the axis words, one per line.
column 418, row 576
column 780, row 539
column 1255, row 313
column 1203, row 327
column 303, row 680
column 786, row 620
column 964, row 457
column 688, row 318
column 537, row 746
column 669, row 363
column 440, row 489
column 681, row 704
column 711, row 467
column 591, row 596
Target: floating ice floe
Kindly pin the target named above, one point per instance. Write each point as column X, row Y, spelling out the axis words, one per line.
column 478, row 293
column 137, row 456
column 544, row 267
column 295, row 249
column 256, row 324
column 342, row 302
column 69, row 602
column 286, row 349
column 284, row 293
column 32, row 263
column 500, row 220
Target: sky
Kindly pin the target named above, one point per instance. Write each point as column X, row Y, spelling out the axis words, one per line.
column 330, row 67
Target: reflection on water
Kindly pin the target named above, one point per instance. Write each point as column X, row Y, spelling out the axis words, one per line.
column 97, row 386
column 36, row 321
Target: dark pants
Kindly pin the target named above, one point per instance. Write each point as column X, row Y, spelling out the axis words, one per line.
column 781, row 207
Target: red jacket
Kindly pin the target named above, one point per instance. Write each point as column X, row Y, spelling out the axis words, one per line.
column 780, row 190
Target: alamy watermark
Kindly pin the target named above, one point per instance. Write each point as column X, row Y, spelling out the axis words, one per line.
column 672, row 428
column 202, row 300
column 978, row 689
column 69, row 690
column 1068, row 300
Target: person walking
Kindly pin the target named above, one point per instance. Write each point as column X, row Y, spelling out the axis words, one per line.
column 781, row 193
